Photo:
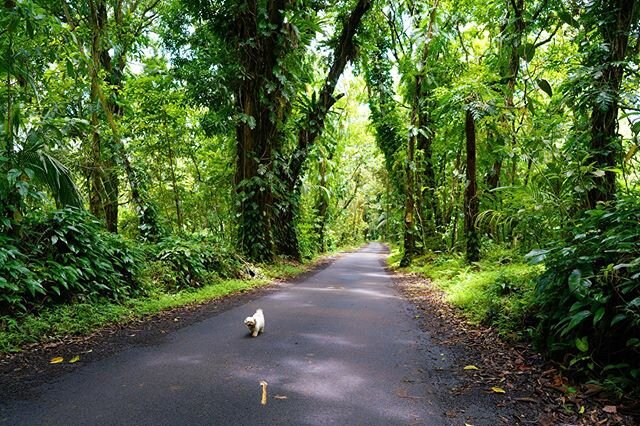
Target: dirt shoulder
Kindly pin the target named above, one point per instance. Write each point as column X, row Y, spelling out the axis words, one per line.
column 21, row 372
column 532, row 390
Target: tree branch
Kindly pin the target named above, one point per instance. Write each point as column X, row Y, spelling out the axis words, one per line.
column 343, row 53
column 548, row 39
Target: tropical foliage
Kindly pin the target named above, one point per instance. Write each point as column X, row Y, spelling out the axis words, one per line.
column 160, row 145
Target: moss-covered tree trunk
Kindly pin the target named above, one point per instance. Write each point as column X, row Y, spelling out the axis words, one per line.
column 470, row 194
column 257, row 131
column 618, row 16
column 409, row 206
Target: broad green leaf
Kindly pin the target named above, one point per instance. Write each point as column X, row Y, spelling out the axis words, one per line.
column 567, row 18
column 536, row 256
column 527, row 51
column 70, row 69
column 599, row 314
column 635, row 303
column 576, row 319
column 634, row 342
column 582, row 344
column 545, row 86
column 574, row 280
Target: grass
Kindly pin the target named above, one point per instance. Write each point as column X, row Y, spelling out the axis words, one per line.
column 83, row 318
column 497, row 291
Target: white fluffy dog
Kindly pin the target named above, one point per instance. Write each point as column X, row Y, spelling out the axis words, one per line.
column 255, row 323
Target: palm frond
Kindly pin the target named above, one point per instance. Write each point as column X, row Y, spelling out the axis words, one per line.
column 49, row 171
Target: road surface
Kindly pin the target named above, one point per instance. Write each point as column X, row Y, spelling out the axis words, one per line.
column 339, row 348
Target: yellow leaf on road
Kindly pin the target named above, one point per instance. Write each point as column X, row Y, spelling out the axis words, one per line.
column 471, row 367
column 263, row 385
column 498, row 390
column 74, row 359
column 56, row 360
column 280, row 397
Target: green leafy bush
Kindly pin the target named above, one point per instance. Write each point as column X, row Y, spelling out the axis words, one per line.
column 497, row 291
column 589, row 296
column 64, row 256
column 194, row 261
column 17, row 281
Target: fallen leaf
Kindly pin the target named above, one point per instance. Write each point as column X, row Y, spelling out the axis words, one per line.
column 581, row 411
column 498, row 390
column 74, row 359
column 263, row 385
column 280, row 397
column 471, row 367
column 611, row 409
column 56, row 360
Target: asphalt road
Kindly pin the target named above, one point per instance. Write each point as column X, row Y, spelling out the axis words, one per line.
column 339, row 348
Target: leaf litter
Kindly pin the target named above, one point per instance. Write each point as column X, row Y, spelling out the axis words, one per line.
column 535, row 389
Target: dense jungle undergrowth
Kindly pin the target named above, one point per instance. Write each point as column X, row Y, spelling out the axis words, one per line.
column 576, row 301
column 159, row 152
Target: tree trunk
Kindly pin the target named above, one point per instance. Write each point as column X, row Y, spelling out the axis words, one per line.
column 426, row 197
column 174, row 184
column 604, row 118
column 510, row 74
column 112, row 195
column 409, row 207
column 96, row 188
column 470, row 193
column 95, row 168
column 11, row 206
column 428, row 194
column 253, row 188
column 256, row 134
column 322, row 205
column 99, row 59
column 104, row 191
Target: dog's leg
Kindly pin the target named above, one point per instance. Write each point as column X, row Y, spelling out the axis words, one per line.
column 255, row 333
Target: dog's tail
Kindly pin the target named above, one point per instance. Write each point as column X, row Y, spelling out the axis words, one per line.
column 258, row 311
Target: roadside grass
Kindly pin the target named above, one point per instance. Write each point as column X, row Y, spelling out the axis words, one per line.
column 497, row 291
column 55, row 322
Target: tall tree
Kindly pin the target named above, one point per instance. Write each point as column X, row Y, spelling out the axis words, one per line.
column 614, row 20
column 29, row 42
column 113, row 30
column 471, row 204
